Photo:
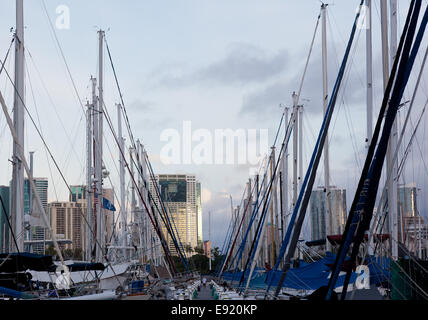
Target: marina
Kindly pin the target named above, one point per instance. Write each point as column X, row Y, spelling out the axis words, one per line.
column 148, row 222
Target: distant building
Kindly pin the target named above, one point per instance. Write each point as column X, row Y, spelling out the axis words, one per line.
column 207, row 248
column 68, row 219
column 416, row 236
column 407, row 200
column 35, row 227
column 318, row 217
column 199, row 212
column 181, row 195
column 4, row 226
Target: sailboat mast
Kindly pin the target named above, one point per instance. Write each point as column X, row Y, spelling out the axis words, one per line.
column 393, row 204
column 295, row 145
column 209, row 237
column 122, row 179
column 285, row 179
column 328, row 213
column 17, row 205
column 369, row 81
column 89, row 146
column 369, row 71
column 99, row 146
column 392, row 200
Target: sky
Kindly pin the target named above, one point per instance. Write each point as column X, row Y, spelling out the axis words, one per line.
column 218, row 64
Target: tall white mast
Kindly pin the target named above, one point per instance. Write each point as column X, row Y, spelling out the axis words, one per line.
column 392, row 200
column 99, row 164
column 295, row 145
column 273, row 209
column 369, row 81
column 369, row 69
column 285, row 179
column 393, row 204
column 122, row 179
column 209, row 237
column 89, row 172
column 141, row 188
column 17, row 205
column 328, row 213
column 133, row 199
column 300, row 146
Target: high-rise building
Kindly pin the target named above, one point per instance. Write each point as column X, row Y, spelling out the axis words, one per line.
column 69, row 218
column 207, row 248
column 407, row 200
column 35, row 228
column 318, row 212
column 180, row 195
column 4, row 213
column 199, row 212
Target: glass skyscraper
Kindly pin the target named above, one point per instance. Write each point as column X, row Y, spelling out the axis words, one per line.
column 4, row 211
column 318, row 212
column 181, row 194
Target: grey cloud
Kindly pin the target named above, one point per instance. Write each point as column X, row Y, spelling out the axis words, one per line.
column 243, row 64
column 267, row 98
column 139, row 106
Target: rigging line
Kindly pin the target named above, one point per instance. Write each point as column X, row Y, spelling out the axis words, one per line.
column 420, row 151
column 55, row 108
column 308, row 58
column 330, row 12
column 40, row 125
column 407, row 151
column 128, row 126
column 63, row 56
column 7, row 55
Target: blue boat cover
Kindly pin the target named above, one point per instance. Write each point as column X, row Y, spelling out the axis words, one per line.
column 310, row 276
column 379, row 268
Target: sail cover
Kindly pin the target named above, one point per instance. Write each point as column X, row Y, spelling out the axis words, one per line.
column 18, row 262
column 308, row 277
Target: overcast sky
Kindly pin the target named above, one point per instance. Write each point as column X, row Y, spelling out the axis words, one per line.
column 219, row 64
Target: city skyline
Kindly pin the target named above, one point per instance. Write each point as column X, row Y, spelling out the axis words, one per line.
column 235, row 67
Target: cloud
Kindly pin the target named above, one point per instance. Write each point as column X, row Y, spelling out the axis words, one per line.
column 243, row 64
column 263, row 100
column 140, row 106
